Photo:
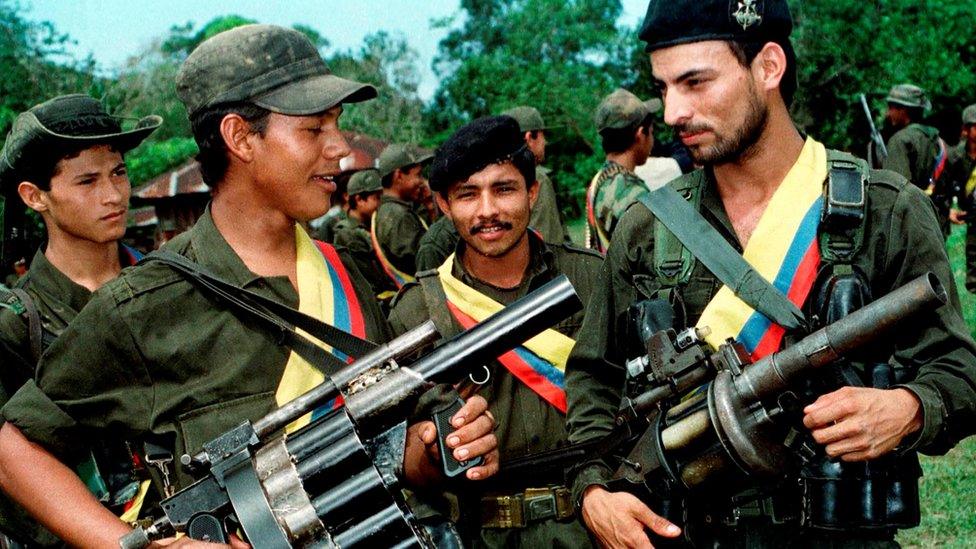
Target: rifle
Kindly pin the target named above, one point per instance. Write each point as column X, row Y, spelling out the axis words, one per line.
column 740, row 428
column 321, row 485
column 879, row 148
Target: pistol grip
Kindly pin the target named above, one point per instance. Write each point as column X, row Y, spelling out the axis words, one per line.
column 442, row 420
column 206, row 527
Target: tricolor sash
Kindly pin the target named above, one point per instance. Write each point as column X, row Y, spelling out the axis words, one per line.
column 399, row 277
column 783, row 249
column 131, row 254
column 325, row 292
column 971, row 183
column 539, row 363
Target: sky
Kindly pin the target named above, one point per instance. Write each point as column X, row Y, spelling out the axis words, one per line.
column 113, row 30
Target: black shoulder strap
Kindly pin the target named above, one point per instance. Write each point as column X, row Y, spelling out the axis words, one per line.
column 35, row 328
column 436, row 301
column 279, row 318
column 720, row 258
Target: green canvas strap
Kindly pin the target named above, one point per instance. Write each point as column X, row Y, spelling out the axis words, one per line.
column 720, row 258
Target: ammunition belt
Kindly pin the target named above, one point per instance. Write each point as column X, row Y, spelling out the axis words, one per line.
column 524, row 508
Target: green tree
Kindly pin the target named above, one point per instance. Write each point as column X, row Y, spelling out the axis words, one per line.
column 561, row 56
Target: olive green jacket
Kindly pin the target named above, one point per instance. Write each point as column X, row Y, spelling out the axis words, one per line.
column 437, row 243
column 959, row 168
column 398, row 231
column 902, row 242
column 912, row 151
column 545, row 213
column 153, row 357
column 526, row 423
column 354, row 237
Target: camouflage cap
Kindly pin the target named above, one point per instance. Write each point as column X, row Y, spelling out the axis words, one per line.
column 68, row 121
column 909, row 95
column 400, row 155
column 673, row 22
column 469, row 150
column 364, row 181
column 273, row 67
column 528, row 118
column 622, row 109
column 969, row 115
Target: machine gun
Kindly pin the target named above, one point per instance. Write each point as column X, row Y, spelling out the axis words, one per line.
column 320, row 486
column 877, row 150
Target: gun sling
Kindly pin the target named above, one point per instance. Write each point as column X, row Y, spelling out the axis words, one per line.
column 720, row 258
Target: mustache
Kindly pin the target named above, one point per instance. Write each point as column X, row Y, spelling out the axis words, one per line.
column 490, row 225
column 693, row 128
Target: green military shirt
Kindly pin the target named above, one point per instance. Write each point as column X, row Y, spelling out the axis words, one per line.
column 912, row 152
column 545, row 214
column 616, row 189
column 437, row 243
column 354, row 237
column 526, row 423
column 959, row 168
column 326, row 230
column 902, row 242
column 152, row 356
column 398, row 231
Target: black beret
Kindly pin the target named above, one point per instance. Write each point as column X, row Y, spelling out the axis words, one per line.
column 672, row 22
column 469, row 150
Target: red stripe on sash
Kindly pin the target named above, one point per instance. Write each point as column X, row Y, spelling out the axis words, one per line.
column 520, row 368
column 806, row 273
column 357, row 326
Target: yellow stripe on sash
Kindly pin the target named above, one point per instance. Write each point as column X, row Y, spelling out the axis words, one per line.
column 767, row 248
column 550, row 345
column 315, row 298
column 971, row 183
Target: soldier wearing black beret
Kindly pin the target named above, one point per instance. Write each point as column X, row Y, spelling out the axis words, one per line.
column 727, row 70
column 484, row 180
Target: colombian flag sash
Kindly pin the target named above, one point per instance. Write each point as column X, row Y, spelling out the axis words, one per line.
column 783, row 249
column 399, row 277
column 325, row 292
column 539, row 363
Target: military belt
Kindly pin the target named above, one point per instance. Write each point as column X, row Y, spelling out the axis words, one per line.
column 775, row 508
column 524, row 508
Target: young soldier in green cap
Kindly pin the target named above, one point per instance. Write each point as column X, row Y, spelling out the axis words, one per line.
column 727, row 74
column 351, row 232
column 484, row 177
column 624, row 123
column 64, row 159
column 961, row 179
column 396, row 226
column 545, row 214
column 152, row 357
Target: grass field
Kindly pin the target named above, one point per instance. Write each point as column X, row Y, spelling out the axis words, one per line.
column 949, row 485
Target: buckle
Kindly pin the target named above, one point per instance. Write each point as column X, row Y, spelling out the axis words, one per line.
column 540, row 503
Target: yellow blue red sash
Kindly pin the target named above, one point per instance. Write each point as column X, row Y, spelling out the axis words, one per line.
column 783, row 249
column 540, row 363
column 325, row 292
column 399, row 277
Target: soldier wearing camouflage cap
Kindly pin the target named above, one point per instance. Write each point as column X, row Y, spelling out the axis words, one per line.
column 396, row 227
column 545, row 214
column 64, row 160
column 352, row 231
column 625, row 125
column 484, row 179
column 960, row 175
column 727, row 71
column 152, row 355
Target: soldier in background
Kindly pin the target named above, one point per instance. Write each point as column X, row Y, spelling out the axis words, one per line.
column 961, row 179
column 545, row 214
column 624, row 123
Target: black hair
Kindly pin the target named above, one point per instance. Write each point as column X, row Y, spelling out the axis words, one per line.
column 41, row 162
column 746, row 51
column 206, row 131
column 616, row 140
column 534, row 134
column 387, row 180
column 355, row 198
column 522, row 159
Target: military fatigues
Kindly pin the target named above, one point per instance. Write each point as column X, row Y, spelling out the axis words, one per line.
column 545, row 214
column 526, row 422
column 913, row 152
column 152, row 356
column 901, row 242
column 437, row 243
column 959, row 169
column 327, row 230
column 616, row 189
column 398, row 231
column 354, row 237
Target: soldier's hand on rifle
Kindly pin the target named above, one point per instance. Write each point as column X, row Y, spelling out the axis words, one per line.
column 619, row 519
column 957, row 216
column 187, row 543
column 861, row 423
column 474, row 436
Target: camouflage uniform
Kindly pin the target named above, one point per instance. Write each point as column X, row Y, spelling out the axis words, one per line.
column 960, row 169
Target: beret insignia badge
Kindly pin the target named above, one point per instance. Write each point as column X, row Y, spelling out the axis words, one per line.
column 746, row 13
